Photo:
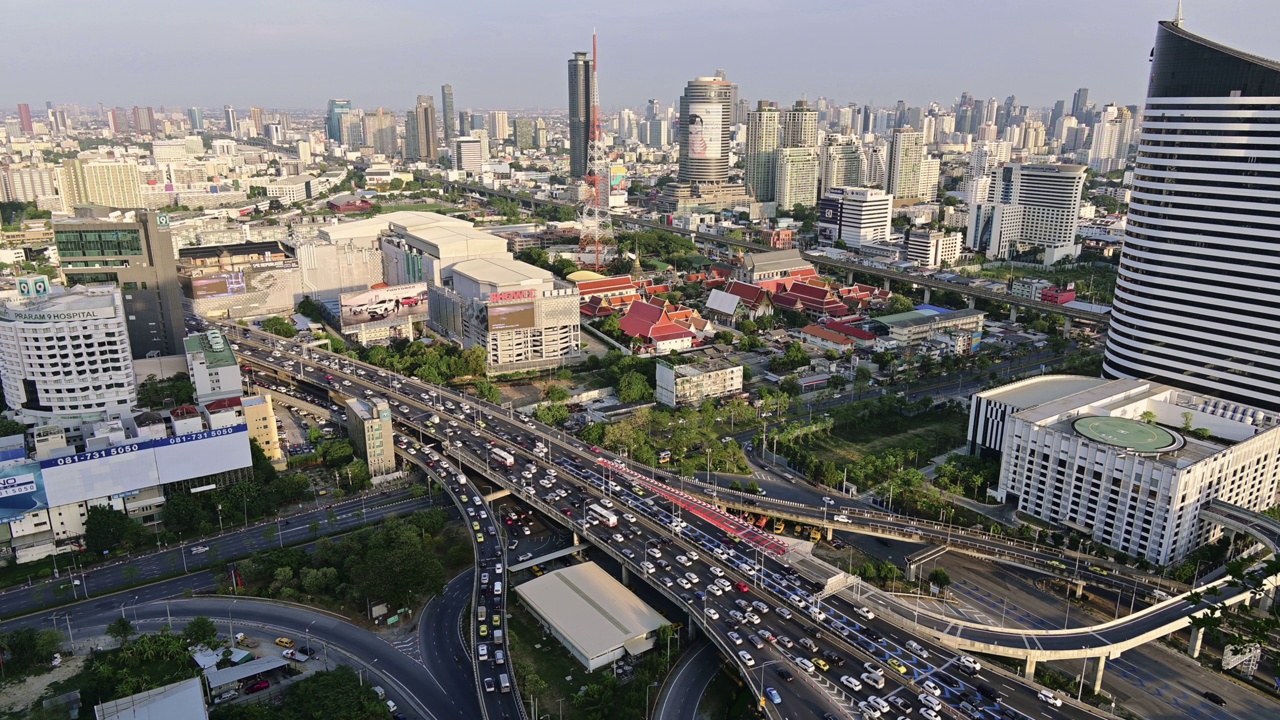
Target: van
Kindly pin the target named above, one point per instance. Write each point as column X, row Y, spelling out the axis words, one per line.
column 482, row 613
column 504, row 683
column 805, row 664
column 809, row 645
column 497, row 588
column 377, row 690
column 497, row 637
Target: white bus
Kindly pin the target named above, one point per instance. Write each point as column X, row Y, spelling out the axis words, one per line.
column 501, row 457
column 606, row 516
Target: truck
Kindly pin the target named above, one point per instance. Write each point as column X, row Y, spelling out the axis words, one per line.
column 245, row 641
column 761, row 522
column 815, row 534
column 607, row 517
column 498, row 456
column 779, row 527
column 294, row 655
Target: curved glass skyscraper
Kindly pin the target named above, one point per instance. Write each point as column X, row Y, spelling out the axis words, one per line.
column 1197, row 302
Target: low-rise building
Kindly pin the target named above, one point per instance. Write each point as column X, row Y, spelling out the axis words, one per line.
column 682, row 385
column 1029, row 288
column 260, row 416
column 933, row 248
column 293, row 189
column 914, row 327
column 821, row 337
column 773, row 265
column 212, row 366
column 369, row 427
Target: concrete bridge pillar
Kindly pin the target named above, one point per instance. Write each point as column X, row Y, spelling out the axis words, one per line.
column 1077, row 588
column 928, row 295
column 831, row 532
column 1066, row 326
column 886, row 284
column 848, row 278
column 626, row 575
column 1029, row 670
column 972, row 301
column 1096, row 683
column 913, row 572
column 576, row 540
column 1013, row 313
column 1195, row 642
column 1267, row 598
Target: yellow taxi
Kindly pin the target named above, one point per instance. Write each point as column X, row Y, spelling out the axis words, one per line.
column 896, row 664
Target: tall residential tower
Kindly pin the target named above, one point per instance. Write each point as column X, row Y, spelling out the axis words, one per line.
column 580, row 120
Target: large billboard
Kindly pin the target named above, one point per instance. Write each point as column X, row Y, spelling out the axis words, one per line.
column 218, row 285
column 123, row 469
column 394, row 304
column 21, row 491
column 520, row 316
column 705, row 130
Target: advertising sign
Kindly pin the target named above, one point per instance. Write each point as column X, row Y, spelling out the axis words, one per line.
column 396, row 304
column 512, row 317
column 705, row 130
column 21, row 492
column 218, row 285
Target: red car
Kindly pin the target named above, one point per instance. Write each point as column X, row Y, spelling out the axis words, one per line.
column 409, row 301
column 595, row 449
column 741, row 586
column 257, row 687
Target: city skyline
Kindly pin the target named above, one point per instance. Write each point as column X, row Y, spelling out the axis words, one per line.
column 989, row 51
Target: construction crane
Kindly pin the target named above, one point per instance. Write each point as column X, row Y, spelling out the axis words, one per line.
column 593, row 216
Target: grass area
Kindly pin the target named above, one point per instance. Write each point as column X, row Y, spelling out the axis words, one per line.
column 419, row 207
column 550, row 661
column 931, row 433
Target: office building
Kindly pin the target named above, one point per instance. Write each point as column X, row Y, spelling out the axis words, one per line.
column 446, row 113
column 336, row 119
column 540, row 133
column 524, row 134
column 933, row 248
column 1196, row 299
column 1129, row 463
column 499, row 125
column 581, row 103
column 144, row 120
column 372, row 437
column 212, row 366
column 420, row 131
column 379, row 132
column 464, row 124
column 110, row 183
column 799, row 126
column 1080, row 105
column 761, row 156
column 854, row 216
column 905, row 159
column 24, row 119
column 260, row 417
column 304, row 153
column 524, row 317
column 685, row 385
column 705, row 118
column 839, row 163
column 1028, row 207
column 1111, row 137
column 477, row 121
column 796, row 178
column 133, row 251
column 64, row 354
column 468, row 155
column 293, row 189
column 422, row 247
column 231, row 121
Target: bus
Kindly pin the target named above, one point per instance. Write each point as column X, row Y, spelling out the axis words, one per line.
column 501, row 457
column 608, row 517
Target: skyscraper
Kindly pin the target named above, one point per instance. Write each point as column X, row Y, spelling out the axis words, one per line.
column 762, row 151
column 1059, row 109
column 196, row 116
column 379, row 129
column 232, row 122
column 706, row 112
column 24, row 119
column 580, row 120
column 902, row 173
column 420, row 131
column 796, row 182
column 464, row 124
column 1079, row 104
column 524, row 134
column 499, row 125
column 446, row 112
column 800, row 126
column 258, row 119
column 1196, row 299
column 1028, row 206
column 336, row 119
column 1111, row 138
column 839, row 163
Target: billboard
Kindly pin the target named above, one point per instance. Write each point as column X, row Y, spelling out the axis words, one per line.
column 259, row 277
column 705, row 129
column 121, row 470
column 394, row 305
column 218, row 285
column 512, row 317
column 21, row 491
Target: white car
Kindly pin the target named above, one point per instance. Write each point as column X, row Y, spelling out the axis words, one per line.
column 929, row 714
column 879, row 704
column 692, row 555
column 932, row 688
column 735, row 638
column 693, row 578
column 717, row 571
column 850, row 682
column 684, row 583
column 199, row 550
column 918, row 649
column 746, row 658
column 828, row 501
column 865, row 612
column 1049, row 697
column 868, row 710
column 722, row 582
column 715, row 590
column 713, row 613
column 629, row 517
column 683, row 560
column 930, row 701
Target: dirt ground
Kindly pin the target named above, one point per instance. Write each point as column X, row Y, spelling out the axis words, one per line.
column 17, row 697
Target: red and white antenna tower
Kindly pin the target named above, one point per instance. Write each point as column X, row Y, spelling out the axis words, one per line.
column 597, row 225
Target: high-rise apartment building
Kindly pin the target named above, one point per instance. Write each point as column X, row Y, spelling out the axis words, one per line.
column 800, row 126
column 854, row 215
column 1029, row 206
column 1111, row 138
column 144, row 120
column 420, row 131
column 336, row 119
column 499, row 125
column 540, row 139
column 113, row 183
column 796, row 182
column 258, row 119
column 1080, row 104
column 705, row 116
column 761, row 156
column 133, row 251
column 839, row 163
column 1196, row 299
column 524, row 134
column 27, row 184
column 468, row 155
column 195, row 116
column 581, row 102
column 903, row 171
column 446, row 112
column 379, row 131
column 372, row 437
column 230, row 120
column 24, row 119
column 117, row 121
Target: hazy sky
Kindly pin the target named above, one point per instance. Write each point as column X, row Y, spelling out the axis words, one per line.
column 512, row 54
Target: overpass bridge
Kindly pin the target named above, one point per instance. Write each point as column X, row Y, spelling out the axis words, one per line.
column 845, row 268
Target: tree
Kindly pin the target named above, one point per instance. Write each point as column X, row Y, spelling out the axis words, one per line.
column 940, row 578
column 279, row 326
column 790, row 385
column 9, row 427
column 611, row 327
column 201, row 631
column 552, row 414
column 488, row 392
column 748, row 327
column 555, row 393
column 1148, row 417
column 121, row 630
column 899, row 304
column 107, row 529
column 633, row 387
column 1187, row 417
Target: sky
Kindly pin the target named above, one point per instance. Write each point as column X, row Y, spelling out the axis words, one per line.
column 512, row 53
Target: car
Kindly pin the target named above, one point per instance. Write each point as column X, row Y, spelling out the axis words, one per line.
column 735, row 638
column 1214, row 698
column 878, row 704
column 760, row 607
column 834, row 658
column 745, row 656
column 479, row 537
column 850, row 682
column 692, row 577
column 865, row 612
column 785, row 642
column 932, row 688
column 284, row 642
column 484, row 631
column 904, row 705
column 875, row 680
column 684, row 583
column 257, row 686
column 1048, row 696
column 948, row 681
column 199, row 549
column 715, row 590
column 774, row 697
column 722, row 582
column 488, row 684
column 931, row 702
column 755, row 640
column 897, row 664
column 741, row 587
column 617, row 537
column 713, row 613
column 784, row 673
column 828, row 501
column 821, row 664
column 716, row 571
column 868, row 711
column 929, row 714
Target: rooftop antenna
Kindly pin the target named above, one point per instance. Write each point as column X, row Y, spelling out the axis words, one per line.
column 1177, row 19
column 594, row 216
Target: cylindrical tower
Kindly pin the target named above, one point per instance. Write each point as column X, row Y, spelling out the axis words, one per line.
column 706, row 115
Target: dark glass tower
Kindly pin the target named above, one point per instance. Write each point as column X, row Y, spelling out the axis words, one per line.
column 580, row 104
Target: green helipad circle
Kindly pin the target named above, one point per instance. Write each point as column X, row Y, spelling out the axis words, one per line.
column 1130, row 434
